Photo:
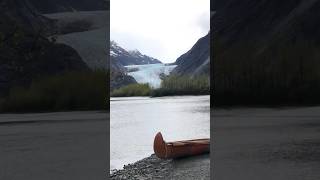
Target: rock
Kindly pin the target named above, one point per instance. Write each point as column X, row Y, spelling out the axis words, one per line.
column 155, row 168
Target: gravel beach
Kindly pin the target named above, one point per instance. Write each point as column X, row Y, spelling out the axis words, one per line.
column 266, row 143
column 54, row 146
column 197, row 167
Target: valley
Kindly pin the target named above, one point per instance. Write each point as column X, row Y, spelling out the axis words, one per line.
column 188, row 68
column 150, row 73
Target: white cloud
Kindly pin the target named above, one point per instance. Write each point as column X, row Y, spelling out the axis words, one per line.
column 164, row 29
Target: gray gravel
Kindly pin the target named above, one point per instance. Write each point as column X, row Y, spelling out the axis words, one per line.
column 197, row 167
column 265, row 144
column 54, row 146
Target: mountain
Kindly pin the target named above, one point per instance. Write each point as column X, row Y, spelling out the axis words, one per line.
column 119, row 76
column 86, row 32
column 22, row 14
column 25, row 51
column 196, row 61
column 54, row 6
column 119, row 57
column 266, row 51
column 126, row 58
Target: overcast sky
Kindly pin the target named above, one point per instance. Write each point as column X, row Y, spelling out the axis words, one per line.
column 163, row 29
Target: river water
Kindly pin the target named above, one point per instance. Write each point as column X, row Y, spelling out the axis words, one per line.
column 134, row 121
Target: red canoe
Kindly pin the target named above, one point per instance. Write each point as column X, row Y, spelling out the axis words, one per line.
column 167, row 150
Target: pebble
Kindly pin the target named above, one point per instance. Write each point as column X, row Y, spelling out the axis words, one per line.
column 149, row 168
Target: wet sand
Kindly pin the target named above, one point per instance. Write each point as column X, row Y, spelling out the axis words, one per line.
column 55, row 146
column 266, row 144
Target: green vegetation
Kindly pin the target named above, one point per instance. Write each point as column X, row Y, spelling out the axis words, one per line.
column 183, row 85
column 170, row 86
column 132, row 90
column 69, row 91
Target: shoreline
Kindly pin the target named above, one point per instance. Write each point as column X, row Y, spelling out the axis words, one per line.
column 154, row 168
column 266, row 143
column 148, row 167
column 64, row 145
column 163, row 96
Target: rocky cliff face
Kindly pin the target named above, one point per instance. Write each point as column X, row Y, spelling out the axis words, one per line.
column 196, row 61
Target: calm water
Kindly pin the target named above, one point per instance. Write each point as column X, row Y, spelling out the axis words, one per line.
column 134, row 122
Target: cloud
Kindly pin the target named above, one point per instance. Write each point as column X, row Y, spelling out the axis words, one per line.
column 164, row 29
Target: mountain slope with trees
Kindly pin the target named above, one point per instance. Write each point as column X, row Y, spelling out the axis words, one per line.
column 196, row 61
column 266, row 52
column 26, row 53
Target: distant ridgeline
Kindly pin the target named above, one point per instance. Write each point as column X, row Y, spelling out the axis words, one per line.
column 266, row 52
column 126, row 58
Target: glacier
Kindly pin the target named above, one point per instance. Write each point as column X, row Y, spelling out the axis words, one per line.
column 149, row 73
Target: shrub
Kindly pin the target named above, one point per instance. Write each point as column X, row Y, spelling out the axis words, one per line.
column 132, row 90
column 284, row 73
column 183, row 85
column 69, row 91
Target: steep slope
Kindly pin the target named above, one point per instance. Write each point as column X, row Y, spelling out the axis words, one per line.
column 25, row 52
column 126, row 58
column 53, row 6
column 118, row 74
column 22, row 14
column 196, row 61
column 266, row 51
column 86, row 32
column 119, row 58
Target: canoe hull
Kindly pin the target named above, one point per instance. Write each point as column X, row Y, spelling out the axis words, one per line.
column 177, row 149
